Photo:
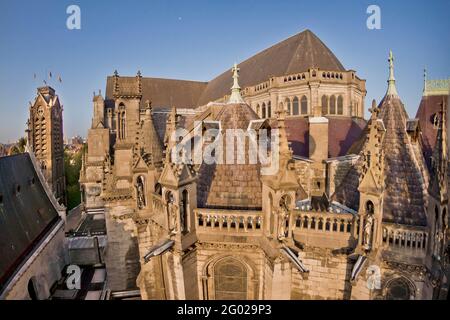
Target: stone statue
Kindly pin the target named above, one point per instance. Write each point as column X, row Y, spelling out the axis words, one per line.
column 282, row 218
column 140, row 194
column 368, row 231
column 173, row 226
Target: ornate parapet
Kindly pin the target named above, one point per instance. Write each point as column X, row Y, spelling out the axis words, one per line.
column 228, row 221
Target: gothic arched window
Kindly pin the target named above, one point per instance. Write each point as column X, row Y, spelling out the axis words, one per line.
column 333, row 105
column 263, row 115
column 340, row 105
column 398, row 289
column 324, row 105
column 269, row 110
column 230, row 280
column 258, row 110
column 304, row 105
column 295, row 107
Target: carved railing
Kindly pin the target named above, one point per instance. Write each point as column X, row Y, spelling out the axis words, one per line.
column 210, row 220
column 325, row 229
column 397, row 236
column 324, row 221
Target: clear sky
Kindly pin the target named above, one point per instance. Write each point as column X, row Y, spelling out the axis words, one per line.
column 199, row 39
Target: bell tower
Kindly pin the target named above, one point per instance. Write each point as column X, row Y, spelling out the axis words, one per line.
column 45, row 138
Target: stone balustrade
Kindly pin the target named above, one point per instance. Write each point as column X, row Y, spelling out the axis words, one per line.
column 210, row 220
column 324, row 221
column 397, row 236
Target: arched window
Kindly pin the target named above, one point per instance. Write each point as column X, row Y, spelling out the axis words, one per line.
column 230, row 280
column 304, row 105
column 269, row 110
column 340, row 105
column 288, row 106
column 258, row 110
column 324, row 105
column 295, row 106
column 263, row 115
column 184, row 211
column 333, row 105
column 398, row 289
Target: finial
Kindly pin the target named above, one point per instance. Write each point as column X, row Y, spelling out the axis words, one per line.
column 425, row 81
column 148, row 108
column 139, row 73
column 392, row 90
column 374, row 110
column 235, row 89
column 116, row 74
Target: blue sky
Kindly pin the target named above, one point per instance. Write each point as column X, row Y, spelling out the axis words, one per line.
column 199, row 39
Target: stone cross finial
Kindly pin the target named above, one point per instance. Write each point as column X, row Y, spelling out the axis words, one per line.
column 235, row 89
column 392, row 90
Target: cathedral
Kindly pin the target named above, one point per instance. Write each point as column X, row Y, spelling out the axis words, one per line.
column 355, row 209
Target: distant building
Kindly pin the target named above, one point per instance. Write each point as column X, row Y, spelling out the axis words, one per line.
column 45, row 138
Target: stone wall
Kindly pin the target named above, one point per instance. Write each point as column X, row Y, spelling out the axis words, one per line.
column 328, row 276
column 122, row 252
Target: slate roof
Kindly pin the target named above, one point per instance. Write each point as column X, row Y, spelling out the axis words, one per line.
column 26, row 215
column 231, row 186
column 163, row 93
column 342, row 133
column 295, row 54
column 405, row 189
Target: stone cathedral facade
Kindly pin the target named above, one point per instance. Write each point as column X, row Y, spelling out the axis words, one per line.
column 356, row 210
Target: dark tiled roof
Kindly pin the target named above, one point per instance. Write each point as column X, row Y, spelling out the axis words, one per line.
column 231, row 186
column 342, row 133
column 428, row 108
column 164, row 93
column 295, row 54
column 404, row 195
column 25, row 216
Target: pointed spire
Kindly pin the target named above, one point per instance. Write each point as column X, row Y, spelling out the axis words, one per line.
column 392, row 90
column 235, row 89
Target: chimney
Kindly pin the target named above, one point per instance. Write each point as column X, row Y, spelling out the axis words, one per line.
column 318, row 136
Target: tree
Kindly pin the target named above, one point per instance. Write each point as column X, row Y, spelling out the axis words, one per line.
column 19, row 147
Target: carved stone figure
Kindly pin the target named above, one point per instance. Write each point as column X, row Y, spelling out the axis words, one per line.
column 368, row 231
column 140, row 193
